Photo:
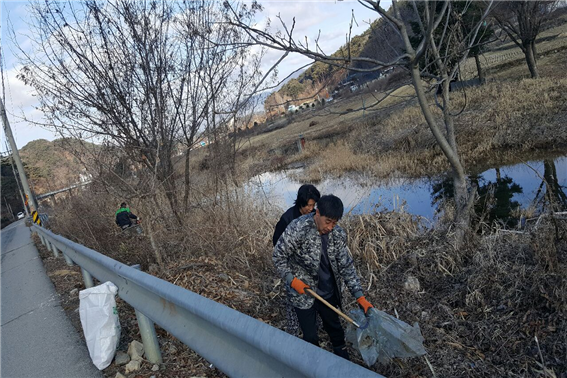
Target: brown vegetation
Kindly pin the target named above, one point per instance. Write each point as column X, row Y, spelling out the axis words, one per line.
column 479, row 308
column 502, row 122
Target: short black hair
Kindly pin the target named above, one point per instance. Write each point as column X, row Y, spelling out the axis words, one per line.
column 305, row 193
column 123, row 204
column 330, row 206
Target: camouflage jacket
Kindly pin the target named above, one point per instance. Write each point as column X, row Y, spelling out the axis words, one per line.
column 298, row 254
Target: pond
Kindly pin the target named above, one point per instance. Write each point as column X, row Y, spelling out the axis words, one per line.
column 504, row 189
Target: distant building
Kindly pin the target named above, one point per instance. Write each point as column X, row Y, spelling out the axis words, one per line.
column 85, row 177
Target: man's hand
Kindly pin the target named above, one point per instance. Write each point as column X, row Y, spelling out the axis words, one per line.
column 298, row 285
column 363, row 303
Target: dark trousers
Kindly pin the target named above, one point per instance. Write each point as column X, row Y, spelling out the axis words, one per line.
column 331, row 323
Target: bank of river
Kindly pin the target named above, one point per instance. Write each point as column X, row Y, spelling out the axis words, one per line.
column 521, row 184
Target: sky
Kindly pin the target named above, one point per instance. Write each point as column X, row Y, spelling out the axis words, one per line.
column 331, row 18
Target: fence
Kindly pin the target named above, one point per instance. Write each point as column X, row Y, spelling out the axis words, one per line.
column 238, row 345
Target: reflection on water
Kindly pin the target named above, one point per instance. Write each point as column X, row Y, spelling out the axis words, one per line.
column 495, row 198
column 502, row 190
column 551, row 192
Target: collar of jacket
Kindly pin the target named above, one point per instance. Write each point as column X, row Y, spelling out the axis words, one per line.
column 122, row 209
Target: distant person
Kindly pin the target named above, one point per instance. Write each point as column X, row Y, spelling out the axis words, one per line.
column 307, row 197
column 124, row 217
column 313, row 253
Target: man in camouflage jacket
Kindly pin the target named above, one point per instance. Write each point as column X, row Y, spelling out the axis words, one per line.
column 312, row 253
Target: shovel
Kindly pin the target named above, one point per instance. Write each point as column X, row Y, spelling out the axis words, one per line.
column 339, row 312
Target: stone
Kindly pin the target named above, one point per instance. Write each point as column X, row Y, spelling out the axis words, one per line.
column 223, row 277
column 411, row 284
column 121, row 358
column 172, row 349
column 133, row 365
column 119, row 375
column 155, row 367
column 136, row 350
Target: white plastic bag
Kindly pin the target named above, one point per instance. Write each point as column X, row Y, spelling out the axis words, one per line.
column 383, row 337
column 99, row 318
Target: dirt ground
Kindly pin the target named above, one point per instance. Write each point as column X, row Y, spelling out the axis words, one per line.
column 178, row 360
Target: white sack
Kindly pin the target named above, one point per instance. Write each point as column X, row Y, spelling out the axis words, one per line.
column 99, row 318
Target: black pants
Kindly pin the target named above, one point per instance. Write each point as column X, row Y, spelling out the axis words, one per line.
column 331, row 323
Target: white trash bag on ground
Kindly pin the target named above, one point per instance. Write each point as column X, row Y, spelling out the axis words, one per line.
column 99, row 319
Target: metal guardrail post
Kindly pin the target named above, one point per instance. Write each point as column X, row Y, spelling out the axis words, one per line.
column 41, row 238
column 68, row 259
column 87, row 278
column 55, row 250
column 148, row 333
column 48, row 245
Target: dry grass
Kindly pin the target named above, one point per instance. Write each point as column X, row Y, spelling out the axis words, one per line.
column 329, row 119
column 549, row 41
column 479, row 307
column 503, row 121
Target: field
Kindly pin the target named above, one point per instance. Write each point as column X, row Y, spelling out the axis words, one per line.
column 509, row 119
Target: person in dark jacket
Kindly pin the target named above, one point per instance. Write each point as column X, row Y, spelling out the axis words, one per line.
column 307, row 197
column 124, row 216
column 313, row 253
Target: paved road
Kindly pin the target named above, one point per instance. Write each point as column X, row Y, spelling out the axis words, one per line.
column 38, row 340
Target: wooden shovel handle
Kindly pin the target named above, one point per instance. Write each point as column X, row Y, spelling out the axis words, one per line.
column 340, row 313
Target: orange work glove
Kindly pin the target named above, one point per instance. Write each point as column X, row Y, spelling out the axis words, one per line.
column 298, row 285
column 364, row 304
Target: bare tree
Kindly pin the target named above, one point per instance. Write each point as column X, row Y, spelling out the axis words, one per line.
column 443, row 44
column 145, row 76
column 148, row 80
column 522, row 22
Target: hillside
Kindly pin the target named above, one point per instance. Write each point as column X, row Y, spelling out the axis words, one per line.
column 313, row 79
column 320, row 78
column 51, row 165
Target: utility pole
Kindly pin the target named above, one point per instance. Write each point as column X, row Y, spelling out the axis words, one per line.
column 19, row 187
column 16, row 157
column 17, row 181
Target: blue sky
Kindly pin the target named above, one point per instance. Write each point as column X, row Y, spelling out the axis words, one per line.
column 332, row 18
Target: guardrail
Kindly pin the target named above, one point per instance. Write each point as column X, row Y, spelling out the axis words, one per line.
column 238, row 345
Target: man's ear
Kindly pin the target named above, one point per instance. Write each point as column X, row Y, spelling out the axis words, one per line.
column 317, row 212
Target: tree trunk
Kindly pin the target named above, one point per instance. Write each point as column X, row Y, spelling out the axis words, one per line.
column 479, row 69
column 531, row 60
column 463, row 204
column 534, row 49
column 169, row 185
column 555, row 195
column 187, row 181
column 463, row 199
column 157, row 252
column 498, row 175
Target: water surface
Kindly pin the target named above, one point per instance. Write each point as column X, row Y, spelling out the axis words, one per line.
column 521, row 183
